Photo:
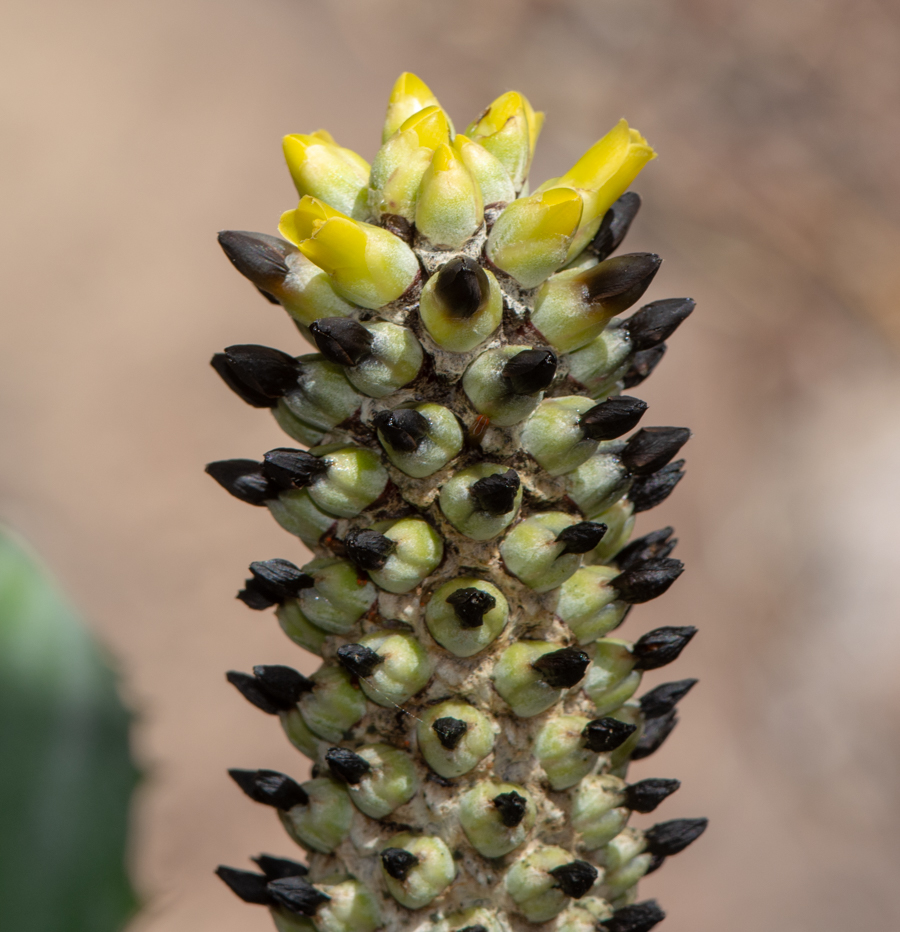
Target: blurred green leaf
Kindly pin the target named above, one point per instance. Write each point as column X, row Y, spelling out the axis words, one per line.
column 66, row 774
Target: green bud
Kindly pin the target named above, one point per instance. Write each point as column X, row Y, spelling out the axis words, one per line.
column 619, row 521
column 461, row 305
column 324, row 822
column 389, row 784
column 620, row 757
column 307, row 292
column 621, row 849
column 452, row 749
column 394, row 360
column 298, row 733
column 418, row 551
column 290, row 922
column 339, row 596
column 449, row 208
column 298, row 514
column 584, row 915
column 432, row 873
column 404, row 670
column 533, row 888
column 299, row 628
column 353, row 480
column 475, row 916
column 603, row 361
column 560, row 749
column 294, row 427
column 467, row 624
column 552, row 434
column 352, row 907
column 611, row 680
column 588, row 604
column 464, row 508
column 334, row 705
column 324, row 398
column 532, row 553
column 488, row 171
column 523, row 686
column 441, row 442
column 616, row 883
column 598, row 813
column 496, row 817
column 600, row 481
column 491, row 394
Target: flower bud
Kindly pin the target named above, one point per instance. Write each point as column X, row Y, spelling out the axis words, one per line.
column 619, row 520
column 324, row 822
column 351, row 907
column 299, row 628
column 482, row 500
column 613, row 417
column 531, row 676
column 651, row 448
column 284, row 275
column 409, row 95
column 530, row 239
column 598, row 482
column 461, row 305
column 273, row 582
column 296, row 898
column 272, row 689
column 619, row 758
column 618, row 883
column 327, row 171
column 403, row 669
column 648, row 580
column 417, row 551
column 403, row 160
column 454, row 737
column 368, row 265
column 667, row 838
column 509, row 130
column 259, row 375
column 324, row 397
column 612, row 679
column 655, row 545
column 637, row 917
column 642, row 365
column 553, row 435
column 341, row 340
column 589, row 605
column 615, row 225
column 506, row 384
column 654, row 734
column 466, row 615
column 298, row 733
column 496, row 817
column 628, row 844
column 647, row 492
column 388, row 783
column 584, row 915
column 270, row 788
column 663, row 699
column 576, row 878
column 562, row 752
column 657, row 321
column 334, row 704
column 449, row 208
column 582, row 537
column 646, row 795
column 572, row 308
column 534, row 889
column 339, row 596
column 533, row 553
column 598, row 810
column 417, row 881
column 490, row 174
column 419, row 441
column 298, row 514
column 602, row 362
column 661, row 646
column 243, row 479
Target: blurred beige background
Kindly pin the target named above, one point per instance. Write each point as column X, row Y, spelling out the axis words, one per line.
column 134, row 130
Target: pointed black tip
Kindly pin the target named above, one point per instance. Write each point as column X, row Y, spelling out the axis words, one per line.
column 471, row 605
column 496, row 494
column 657, row 321
column 643, row 364
column 359, row 659
column 655, row 732
column 647, row 580
column 646, row 795
column 247, row 885
column 243, row 479
column 651, row 448
column 562, row 669
column 403, row 429
column 618, row 283
column 612, row 418
column 398, row 862
column 576, row 878
column 272, row 583
column 276, row 868
column 656, row 544
column 297, row 895
column 259, row 374
column 649, row 491
column 270, row 788
column 369, row 550
column 603, row 735
column 661, row 646
column 462, row 287
column 257, row 256
column 288, row 468
column 615, row 225
column 346, row 765
column 639, row 917
column 245, row 392
column 511, row 807
column 341, row 340
column 581, row 537
column 664, row 698
column 531, row 371
column 668, row 838
column 449, row 731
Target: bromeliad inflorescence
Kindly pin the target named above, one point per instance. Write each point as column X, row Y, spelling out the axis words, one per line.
column 470, row 484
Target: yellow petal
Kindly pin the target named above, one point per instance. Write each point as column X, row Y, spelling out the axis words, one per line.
column 409, row 95
column 430, row 126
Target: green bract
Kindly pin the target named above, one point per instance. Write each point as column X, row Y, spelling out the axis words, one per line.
column 532, row 553
column 338, row 597
column 589, row 605
column 404, row 669
column 533, row 888
column 354, row 479
column 324, row 822
column 334, row 705
column 491, row 394
column 482, row 821
column 441, row 443
column 390, row 783
column 445, row 624
column 552, row 435
column 475, row 744
column 597, row 811
column 394, row 360
column 462, row 510
column 434, row 871
column 520, row 684
column 561, row 752
column 418, row 551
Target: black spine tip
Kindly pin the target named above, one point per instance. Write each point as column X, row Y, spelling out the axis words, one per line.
column 247, row 393
column 649, row 491
column 576, row 878
column 346, row 765
column 642, row 365
column 283, row 685
column 249, row 687
column 647, row 580
column 358, row 659
column 341, row 340
column 639, row 917
column 287, row 468
column 661, row 646
column 656, row 544
column 655, row 732
column 273, row 582
column 668, row 838
column 562, row 669
column 270, row 788
column 257, row 256
column 449, row 731
column 243, row 479
column 657, row 321
column 276, row 868
column 615, row 225
column 612, row 418
column 263, row 371
column 646, row 795
column 496, row 494
column 651, row 448
column 297, row 895
column 511, row 807
column 403, row 430
column 603, row 735
column 581, row 537
column 398, row 862
column 247, row 885
column 618, row 283
column 471, row 605
column 462, row 287
column 531, row 371
column 664, row 698
column 369, row 550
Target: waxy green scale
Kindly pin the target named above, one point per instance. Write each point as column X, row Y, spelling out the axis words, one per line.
column 469, row 491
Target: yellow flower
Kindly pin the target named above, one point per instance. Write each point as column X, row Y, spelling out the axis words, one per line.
column 509, row 130
column 323, row 169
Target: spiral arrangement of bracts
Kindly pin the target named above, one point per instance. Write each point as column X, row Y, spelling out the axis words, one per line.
column 469, row 493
